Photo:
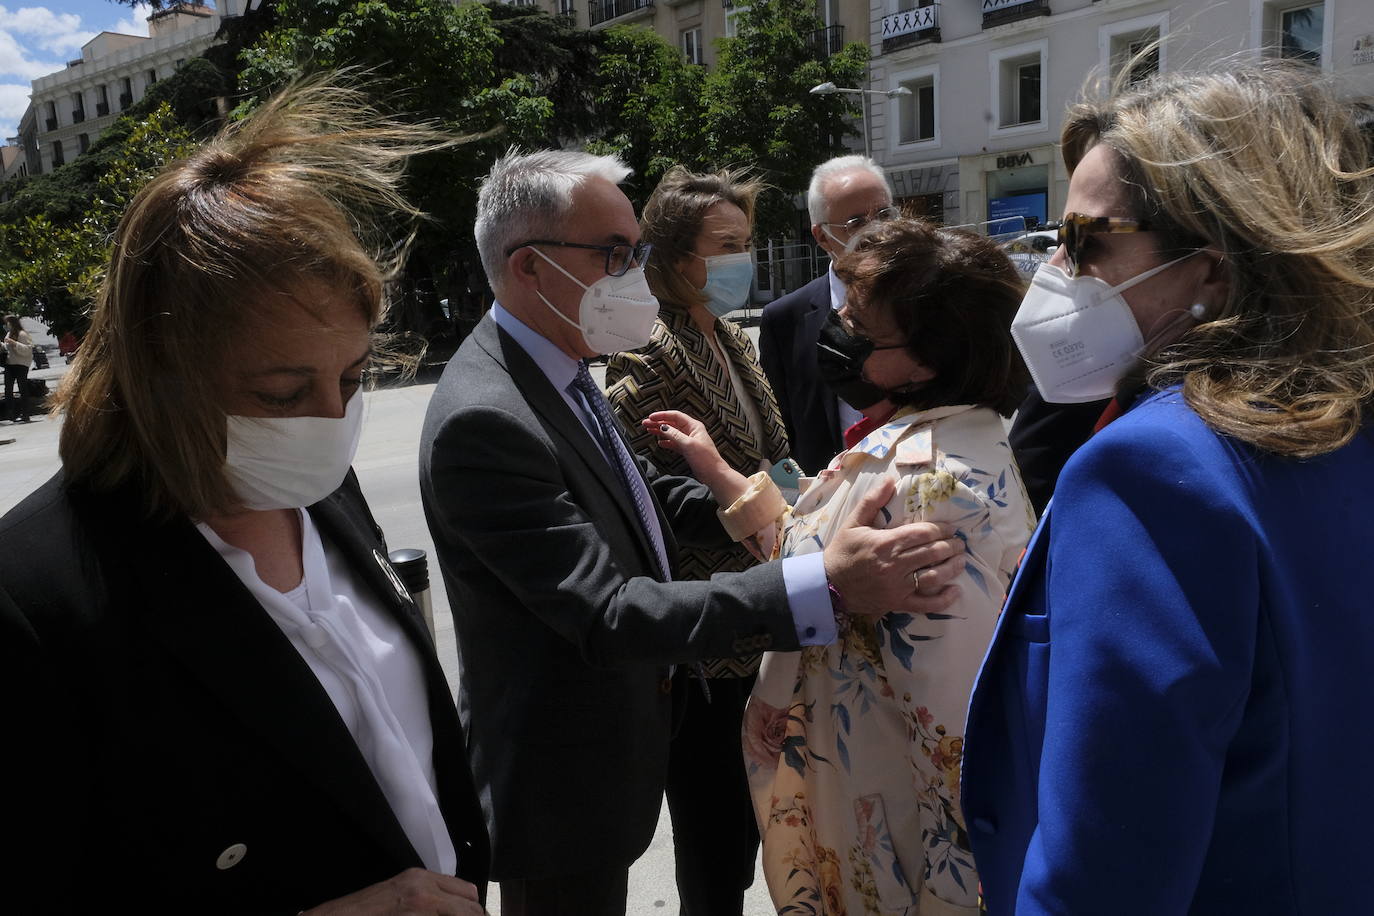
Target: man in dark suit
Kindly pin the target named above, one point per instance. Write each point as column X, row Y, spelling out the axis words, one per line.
column 556, row 547
column 845, row 194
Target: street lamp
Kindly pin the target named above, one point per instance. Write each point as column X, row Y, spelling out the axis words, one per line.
column 831, row 89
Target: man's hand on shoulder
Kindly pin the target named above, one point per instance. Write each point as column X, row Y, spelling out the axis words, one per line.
column 908, row 568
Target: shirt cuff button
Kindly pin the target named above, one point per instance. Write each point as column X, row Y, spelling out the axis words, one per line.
column 810, row 632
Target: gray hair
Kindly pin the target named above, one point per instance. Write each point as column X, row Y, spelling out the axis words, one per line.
column 526, row 195
column 830, row 169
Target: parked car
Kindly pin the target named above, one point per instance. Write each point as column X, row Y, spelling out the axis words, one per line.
column 1027, row 252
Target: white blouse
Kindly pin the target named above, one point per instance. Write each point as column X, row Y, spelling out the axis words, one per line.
column 372, row 674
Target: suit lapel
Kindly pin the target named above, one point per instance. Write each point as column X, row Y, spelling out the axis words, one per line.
column 815, row 320
column 772, row 444
column 538, row 392
column 200, row 611
column 710, row 383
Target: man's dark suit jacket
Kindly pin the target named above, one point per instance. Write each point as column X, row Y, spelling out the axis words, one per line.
column 787, row 352
column 564, row 633
column 156, row 717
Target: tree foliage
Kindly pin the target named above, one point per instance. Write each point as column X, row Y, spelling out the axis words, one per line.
column 507, row 75
column 759, row 106
column 649, row 109
column 52, row 270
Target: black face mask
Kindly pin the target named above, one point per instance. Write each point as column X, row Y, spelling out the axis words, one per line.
column 840, row 356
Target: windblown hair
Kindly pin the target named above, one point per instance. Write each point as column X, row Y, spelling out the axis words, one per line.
column 828, row 171
column 1265, row 164
column 672, row 221
column 527, row 195
column 952, row 294
column 287, row 200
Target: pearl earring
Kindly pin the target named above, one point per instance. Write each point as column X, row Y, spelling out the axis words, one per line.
column 1198, row 310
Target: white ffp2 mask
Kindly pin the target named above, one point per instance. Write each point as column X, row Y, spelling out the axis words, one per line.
column 291, row 462
column 616, row 313
column 1077, row 334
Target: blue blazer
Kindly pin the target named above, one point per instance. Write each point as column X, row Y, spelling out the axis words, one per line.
column 1173, row 716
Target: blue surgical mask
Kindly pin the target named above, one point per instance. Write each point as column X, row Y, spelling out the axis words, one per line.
column 727, row 281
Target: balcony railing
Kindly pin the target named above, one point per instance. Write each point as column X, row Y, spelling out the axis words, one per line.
column 125, row 100
column 605, row 10
column 827, row 41
column 51, row 123
column 910, row 27
column 1000, row 12
column 78, row 115
column 102, row 109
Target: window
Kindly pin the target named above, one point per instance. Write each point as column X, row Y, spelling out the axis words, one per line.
column 1026, row 93
column 1301, row 34
column 83, row 142
column 78, row 108
column 917, row 117
column 1018, row 88
column 1293, row 29
column 1134, row 43
column 691, row 45
column 567, row 7
column 732, row 21
column 180, row 61
column 50, row 118
column 57, row 157
column 149, row 78
column 126, row 93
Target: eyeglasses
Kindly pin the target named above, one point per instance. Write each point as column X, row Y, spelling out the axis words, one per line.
column 879, row 216
column 619, row 258
column 1075, row 229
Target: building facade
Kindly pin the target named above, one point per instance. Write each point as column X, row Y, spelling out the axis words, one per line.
column 69, row 109
column 694, row 25
column 975, row 142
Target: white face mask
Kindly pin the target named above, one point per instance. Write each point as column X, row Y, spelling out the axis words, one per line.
column 1077, row 334
column 728, row 278
column 291, row 462
column 616, row 313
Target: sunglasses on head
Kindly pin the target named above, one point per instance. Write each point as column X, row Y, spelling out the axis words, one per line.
column 1076, row 227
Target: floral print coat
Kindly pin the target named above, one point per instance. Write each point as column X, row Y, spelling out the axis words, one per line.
column 853, row 749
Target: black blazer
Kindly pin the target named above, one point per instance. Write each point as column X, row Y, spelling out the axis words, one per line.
column 1044, row 437
column 564, row 631
column 158, row 722
column 787, row 351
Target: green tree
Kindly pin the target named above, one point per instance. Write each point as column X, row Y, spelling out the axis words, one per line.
column 53, row 270
column 759, row 107
column 649, row 107
column 474, row 69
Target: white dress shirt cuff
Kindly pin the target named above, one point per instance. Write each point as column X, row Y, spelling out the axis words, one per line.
column 808, row 597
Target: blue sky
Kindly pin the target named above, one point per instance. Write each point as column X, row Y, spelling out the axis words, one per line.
column 37, row 40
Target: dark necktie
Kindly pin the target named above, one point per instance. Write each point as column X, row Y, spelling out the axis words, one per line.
column 619, row 454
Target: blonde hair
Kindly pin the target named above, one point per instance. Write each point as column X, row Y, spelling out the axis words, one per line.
column 286, row 198
column 672, row 221
column 1267, row 165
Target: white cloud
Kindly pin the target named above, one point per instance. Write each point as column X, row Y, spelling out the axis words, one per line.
column 136, row 23
column 14, row 98
column 16, row 61
column 56, row 33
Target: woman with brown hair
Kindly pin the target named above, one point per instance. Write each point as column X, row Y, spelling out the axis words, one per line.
column 219, row 696
column 1163, row 724
column 853, row 749
column 698, row 361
